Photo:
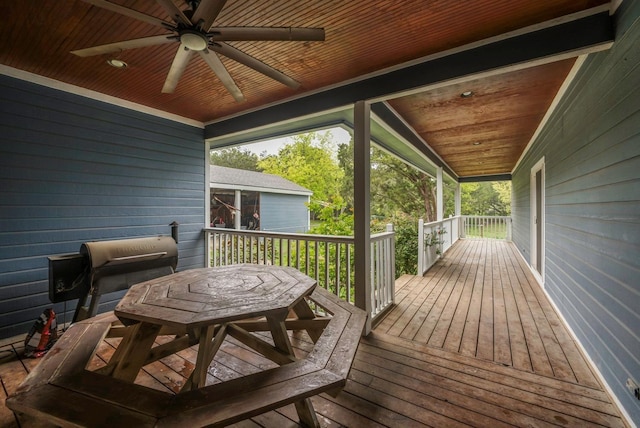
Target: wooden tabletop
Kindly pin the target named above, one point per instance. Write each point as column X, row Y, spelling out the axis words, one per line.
column 199, row 297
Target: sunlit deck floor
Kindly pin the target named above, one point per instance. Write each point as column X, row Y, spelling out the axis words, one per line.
column 472, row 343
column 482, row 301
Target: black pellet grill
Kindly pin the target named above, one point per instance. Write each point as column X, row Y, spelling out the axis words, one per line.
column 103, row 267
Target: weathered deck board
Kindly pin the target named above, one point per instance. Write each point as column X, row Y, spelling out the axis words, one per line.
column 478, row 386
column 441, row 380
column 482, row 301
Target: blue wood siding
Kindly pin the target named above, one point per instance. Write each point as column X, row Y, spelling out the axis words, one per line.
column 283, row 213
column 591, row 148
column 73, row 169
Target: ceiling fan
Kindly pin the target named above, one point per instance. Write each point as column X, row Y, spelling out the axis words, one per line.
column 193, row 28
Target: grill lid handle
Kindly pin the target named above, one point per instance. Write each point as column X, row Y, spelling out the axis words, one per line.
column 127, row 259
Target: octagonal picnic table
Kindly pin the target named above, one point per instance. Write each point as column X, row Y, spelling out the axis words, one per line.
column 201, row 303
column 199, row 306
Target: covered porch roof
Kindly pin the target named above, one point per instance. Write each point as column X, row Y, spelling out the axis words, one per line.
column 412, row 60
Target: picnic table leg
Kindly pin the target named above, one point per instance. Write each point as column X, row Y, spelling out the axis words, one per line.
column 304, row 312
column 305, row 409
column 207, row 349
column 136, row 350
column 128, row 334
column 307, row 414
column 280, row 336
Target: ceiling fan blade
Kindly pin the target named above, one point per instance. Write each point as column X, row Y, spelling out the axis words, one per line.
column 103, row 4
column 206, row 13
column 174, row 12
column 216, row 65
column 225, row 34
column 178, row 66
column 127, row 44
column 249, row 61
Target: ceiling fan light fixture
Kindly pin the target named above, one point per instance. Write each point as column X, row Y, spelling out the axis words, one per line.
column 193, row 40
column 117, row 63
column 466, row 94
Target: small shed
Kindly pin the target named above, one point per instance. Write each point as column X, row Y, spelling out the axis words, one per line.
column 281, row 205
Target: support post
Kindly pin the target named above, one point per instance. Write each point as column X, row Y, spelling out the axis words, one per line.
column 362, row 211
column 458, row 198
column 207, row 203
column 391, row 255
column 458, row 211
column 420, row 247
column 439, row 196
column 238, row 204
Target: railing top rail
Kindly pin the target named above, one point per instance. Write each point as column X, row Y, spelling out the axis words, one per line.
column 487, row 216
column 436, row 223
column 381, row 236
column 281, row 235
column 302, row 236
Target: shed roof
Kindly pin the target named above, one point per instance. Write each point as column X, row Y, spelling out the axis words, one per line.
column 239, row 179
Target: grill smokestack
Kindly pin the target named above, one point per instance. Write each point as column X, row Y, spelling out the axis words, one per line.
column 174, row 231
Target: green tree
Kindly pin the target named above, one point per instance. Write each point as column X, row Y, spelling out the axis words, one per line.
column 235, row 158
column 399, row 188
column 503, row 189
column 467, row 198
column 345, row 161
column 486, row 198
column 449, row 197
column 310, row 162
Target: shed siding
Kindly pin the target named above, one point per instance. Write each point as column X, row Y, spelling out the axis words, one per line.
column 592, row 159
column 284, row 213
column 75, row 169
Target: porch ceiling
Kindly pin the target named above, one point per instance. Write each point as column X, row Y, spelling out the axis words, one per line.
column 368, row 45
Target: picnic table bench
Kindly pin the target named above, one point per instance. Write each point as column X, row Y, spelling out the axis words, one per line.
column 62, row 390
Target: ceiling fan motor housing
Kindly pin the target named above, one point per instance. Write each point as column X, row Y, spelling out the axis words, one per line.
column 193, row 39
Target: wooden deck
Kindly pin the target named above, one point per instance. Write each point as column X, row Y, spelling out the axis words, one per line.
column 473, row 343
column 482, row 301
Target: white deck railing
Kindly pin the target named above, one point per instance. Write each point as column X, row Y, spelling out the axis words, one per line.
column 327, row 259
column 490, row 227
column 383, row 271
column 435, row 238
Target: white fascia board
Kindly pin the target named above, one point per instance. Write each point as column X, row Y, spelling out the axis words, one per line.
column 226, row 186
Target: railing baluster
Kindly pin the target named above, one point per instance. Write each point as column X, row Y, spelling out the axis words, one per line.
column 317, row 256
column 326, row 266
column 349, row 272
column 378, row 276
column 306, row 261
column 337, row 274
column 236, row 248
column 272, row 246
